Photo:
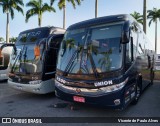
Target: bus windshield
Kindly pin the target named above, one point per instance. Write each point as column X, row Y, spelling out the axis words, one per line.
column 96, row 48
column 25, row 62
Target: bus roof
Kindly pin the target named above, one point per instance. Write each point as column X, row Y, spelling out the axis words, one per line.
column 42, row 28
column 102, row 20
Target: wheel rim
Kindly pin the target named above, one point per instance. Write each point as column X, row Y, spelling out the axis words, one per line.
column 138, row 90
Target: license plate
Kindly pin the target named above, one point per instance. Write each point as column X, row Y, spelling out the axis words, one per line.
column 79, row 99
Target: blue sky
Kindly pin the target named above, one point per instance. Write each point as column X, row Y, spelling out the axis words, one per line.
column 83, row 12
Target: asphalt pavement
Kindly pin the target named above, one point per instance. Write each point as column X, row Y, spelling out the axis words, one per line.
column 15, row 103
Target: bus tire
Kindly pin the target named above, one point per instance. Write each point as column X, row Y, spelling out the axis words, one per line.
column 152, row 77
column 138, row 91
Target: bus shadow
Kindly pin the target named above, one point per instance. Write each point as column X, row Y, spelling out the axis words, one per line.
column 26, row 95
column 3, row 81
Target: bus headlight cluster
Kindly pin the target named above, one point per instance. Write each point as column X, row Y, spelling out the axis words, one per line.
column 35, row 82
column 114, row 87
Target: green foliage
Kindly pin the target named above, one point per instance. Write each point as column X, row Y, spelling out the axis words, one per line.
column 51, row 2
column 10, row 5
column 1, row 39
column 138, row 17
column 153, row 15
column 70, row 43
column 62, row 3
column 38, row 8
column 105, row 60
column 13, row 39
column 92, row 49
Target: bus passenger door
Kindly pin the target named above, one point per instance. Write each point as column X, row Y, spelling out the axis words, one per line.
column 51, row 56
column 145, row 61
column 131, row 66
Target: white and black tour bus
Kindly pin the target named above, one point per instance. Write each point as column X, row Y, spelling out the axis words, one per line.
column 33, row 60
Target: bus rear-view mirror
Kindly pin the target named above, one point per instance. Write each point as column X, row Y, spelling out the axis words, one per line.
column 125, row 37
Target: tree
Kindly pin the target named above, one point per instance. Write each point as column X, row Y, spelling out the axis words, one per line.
column 8, row 7
column 144, row 15
column 62, row 5
column 96, row 8
column 1, row 39
column 13, row 39
column 138, row 17
column 38, row 8
column 153, row 15
column 105, row 60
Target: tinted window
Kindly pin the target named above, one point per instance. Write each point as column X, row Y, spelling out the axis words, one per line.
column 98, row 46
column 32, row 36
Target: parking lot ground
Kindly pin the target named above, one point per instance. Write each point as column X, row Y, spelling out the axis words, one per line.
column 15, row 103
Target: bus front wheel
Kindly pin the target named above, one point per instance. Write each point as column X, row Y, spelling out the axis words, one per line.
column 138, row 91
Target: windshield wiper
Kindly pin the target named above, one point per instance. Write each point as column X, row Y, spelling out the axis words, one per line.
column 20, row 57
column 70, row 63
column 17, row 58
column 25, row 55
column 13, row 67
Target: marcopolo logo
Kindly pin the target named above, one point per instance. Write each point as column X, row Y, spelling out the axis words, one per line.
column 103, row 83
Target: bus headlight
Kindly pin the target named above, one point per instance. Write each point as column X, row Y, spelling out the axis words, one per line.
column 114, row 87
column 35, row 82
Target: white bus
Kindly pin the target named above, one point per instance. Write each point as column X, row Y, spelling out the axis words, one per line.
column 31, row 68
column 4, row 61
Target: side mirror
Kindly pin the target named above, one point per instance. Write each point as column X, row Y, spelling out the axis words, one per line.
column 125, row 37
column 132, row 49
column 126, row 33
column 6, row 45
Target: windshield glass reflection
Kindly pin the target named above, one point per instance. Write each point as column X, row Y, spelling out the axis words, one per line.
column 98, row 49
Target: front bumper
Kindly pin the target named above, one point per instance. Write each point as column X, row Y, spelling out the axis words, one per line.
column 42, row 88
column 4, row 74
column 91, row 96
